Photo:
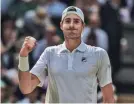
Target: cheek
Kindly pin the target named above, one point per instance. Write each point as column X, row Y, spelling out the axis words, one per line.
column 80, row 29
column 65, row 26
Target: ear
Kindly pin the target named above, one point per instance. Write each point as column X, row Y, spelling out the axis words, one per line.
column 61, row 25
column 83, row 25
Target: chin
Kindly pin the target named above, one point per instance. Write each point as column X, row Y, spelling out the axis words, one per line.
column 73, row 38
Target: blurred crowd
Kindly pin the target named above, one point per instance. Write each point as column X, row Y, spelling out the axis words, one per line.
column 41, row 19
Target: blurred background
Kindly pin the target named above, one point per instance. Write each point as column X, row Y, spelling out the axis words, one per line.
column 109, row 25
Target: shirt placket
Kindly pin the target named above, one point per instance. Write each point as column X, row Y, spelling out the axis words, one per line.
column 70, row 61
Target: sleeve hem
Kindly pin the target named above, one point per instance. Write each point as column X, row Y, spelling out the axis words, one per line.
column 106, row 83
column 41, row 83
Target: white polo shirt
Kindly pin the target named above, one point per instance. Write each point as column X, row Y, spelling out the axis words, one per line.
column 72, row 76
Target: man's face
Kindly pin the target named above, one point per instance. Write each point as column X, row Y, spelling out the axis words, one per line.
column 72, row 26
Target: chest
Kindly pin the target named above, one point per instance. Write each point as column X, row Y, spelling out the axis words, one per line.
column 79, row 64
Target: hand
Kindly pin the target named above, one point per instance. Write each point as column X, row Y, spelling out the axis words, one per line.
column 28, row 45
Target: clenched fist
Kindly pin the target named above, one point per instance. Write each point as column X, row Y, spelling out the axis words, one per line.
column 28, row 45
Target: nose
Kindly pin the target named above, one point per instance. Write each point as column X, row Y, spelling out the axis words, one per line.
column 71, row 24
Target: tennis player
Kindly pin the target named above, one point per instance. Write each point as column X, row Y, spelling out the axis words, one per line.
column 74, row 68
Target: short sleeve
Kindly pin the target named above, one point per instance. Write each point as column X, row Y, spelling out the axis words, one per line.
column 40, row 67
column 104, row 71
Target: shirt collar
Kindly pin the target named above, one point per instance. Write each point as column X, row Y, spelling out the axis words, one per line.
column 81, row 48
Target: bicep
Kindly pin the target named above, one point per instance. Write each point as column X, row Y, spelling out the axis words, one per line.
column 35, row 81
column 104, row 69
column 39, row 69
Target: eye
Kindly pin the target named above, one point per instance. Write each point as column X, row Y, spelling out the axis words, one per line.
column 76, row 21
column 67, row 21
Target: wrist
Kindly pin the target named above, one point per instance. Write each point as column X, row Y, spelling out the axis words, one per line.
column 23, row 53
column 23, row 63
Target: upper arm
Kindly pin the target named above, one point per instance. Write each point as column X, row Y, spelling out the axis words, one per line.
column 27, row 82
column 35, row 81
column 104, row 77
column 104, row 69
column 39, row 69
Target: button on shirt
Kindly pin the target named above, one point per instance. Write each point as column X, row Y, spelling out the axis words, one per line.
column 72, row 76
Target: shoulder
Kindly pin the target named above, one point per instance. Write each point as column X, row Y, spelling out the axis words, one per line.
column 96, row 50
column 50, row 50
column 53, row 49
column 97, row 53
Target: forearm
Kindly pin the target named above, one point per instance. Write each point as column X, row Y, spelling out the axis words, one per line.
column 25, row 82
column 26, row 79
column 108, row 94
column 109, row 100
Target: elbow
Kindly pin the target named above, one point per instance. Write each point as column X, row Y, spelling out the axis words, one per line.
column 25, row 90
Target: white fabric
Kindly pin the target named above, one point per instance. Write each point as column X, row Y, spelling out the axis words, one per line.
column 75, row 82
column 77, row 12
column 23, row 63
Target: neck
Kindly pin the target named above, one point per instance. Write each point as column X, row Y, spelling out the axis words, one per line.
column 72, row 44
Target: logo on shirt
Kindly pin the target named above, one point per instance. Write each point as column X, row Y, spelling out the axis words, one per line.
column 84, row 59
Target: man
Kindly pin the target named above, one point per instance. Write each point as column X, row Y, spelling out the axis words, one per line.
column 73, row 67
